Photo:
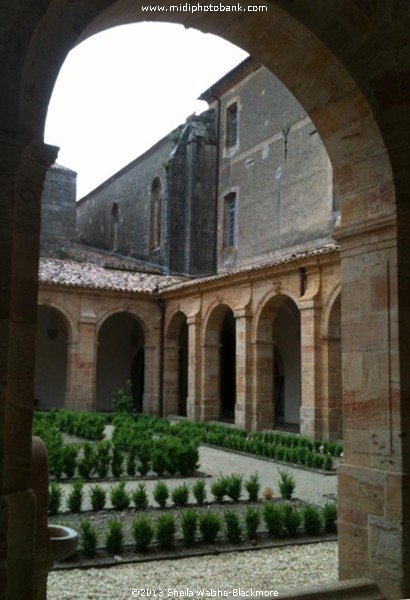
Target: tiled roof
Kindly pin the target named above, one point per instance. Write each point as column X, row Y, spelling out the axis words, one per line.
column 71, row 273
column 253, row 268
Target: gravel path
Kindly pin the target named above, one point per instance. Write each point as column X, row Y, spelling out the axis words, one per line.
column 275, row 569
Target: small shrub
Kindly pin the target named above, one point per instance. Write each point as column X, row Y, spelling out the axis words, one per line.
column 117, row 460
column 161, row 494
column 144, row 457
column 142, row 532
column 199, row 491
column 209, row 526
column 218, row 489
column 252, row 486
column 103, row 458
column 120, row 498
column 55, row 497
column 233, row 527
column 329, row 515
column 189, row 525
column 69, row 460
column 273, row 517
column 88, row 535
column 180, row 495
column 234, row 487
column 328, row 463
column 75, row 497
column 312, row 520
column 98, row 497
column 140, row 497
column 159, row 461
column 291, row 519
column 252, row 520
column 86, row 465
column 165, row 531
column 122, row 399
column 268, row 493
column 114, row 537
column 287, row 485
column 131, row 462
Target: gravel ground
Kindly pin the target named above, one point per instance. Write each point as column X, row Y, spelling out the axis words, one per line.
column 276, row 569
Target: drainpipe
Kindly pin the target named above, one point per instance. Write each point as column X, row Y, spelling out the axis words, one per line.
column 161, row 306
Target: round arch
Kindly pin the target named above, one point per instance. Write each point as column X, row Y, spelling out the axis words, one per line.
column 53, row 333
column 346, row 63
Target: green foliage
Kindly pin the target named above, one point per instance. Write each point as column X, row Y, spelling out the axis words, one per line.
column 120, row 498
column 86, row 465
column 88, row 537
column 114, row 537
column 165, row 531
column 253, row 486
column 69, row 460
column 117, row 460
column 103, row 458
column 55, row 496
column 189, row 526
column 180, row 495
column 75, row 497
column 232, row 526
column 209, row 526
column 161, row 494
column 199, row 491
column 312, row 520
column 122, row 400
column 131, row 461
column 287, row 485
column 142, row 532
column 252, row 520
column 218, row 489
column 291, row 519
column 140, row 497
column 97, row 497
column 328, row 463
column 329, row 516
column 273, row 517
column 234, row 486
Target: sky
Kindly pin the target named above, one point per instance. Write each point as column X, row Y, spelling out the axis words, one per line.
column 124, row 89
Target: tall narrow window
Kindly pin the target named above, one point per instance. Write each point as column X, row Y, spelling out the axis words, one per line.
column 114, row 227
column 156, row 214
column 230, row 219
column 232, row 125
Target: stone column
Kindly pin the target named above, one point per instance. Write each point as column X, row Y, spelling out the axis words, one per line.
column 84, row 397
column 211, row 381
column 374, row 481
column 311, row 365
column 171, row 379
column 152, row 379
column 22, row 171
column 72, row 360
column 194, row 368
column 263, row 394
column 243, row 406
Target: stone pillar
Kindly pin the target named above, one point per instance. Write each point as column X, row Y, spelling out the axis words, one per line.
column 85, row 364
column 151, row 402
column 194, row 368
column 374, row 481
column 263, row 394
column 171, row 379
column 243, row 406
column 311, row 366
column 22, row 171
column 70, row 394
column 211, row 381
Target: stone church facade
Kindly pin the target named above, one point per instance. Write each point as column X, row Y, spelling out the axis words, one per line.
column 204, row 272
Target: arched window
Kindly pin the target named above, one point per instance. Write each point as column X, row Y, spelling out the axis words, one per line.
column 156, row 200
column 114, row 227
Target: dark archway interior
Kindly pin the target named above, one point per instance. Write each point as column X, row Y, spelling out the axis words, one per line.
column 228, row 368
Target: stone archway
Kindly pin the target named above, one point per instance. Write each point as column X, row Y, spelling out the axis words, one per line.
column 52, row 337
column 120, row 359
column 176, row 366
column 347, row 63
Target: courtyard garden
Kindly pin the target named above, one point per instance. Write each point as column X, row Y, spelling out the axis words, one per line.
column 137, row 487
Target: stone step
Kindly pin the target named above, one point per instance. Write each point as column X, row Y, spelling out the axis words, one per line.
column 351, row 589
